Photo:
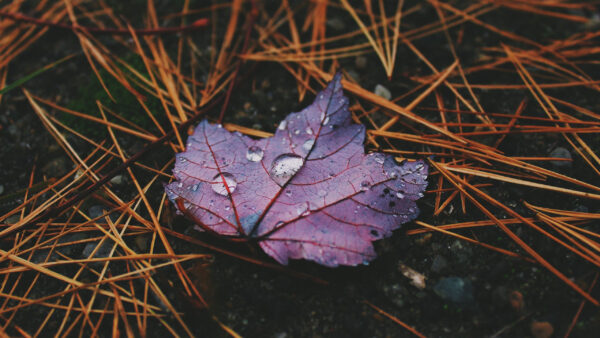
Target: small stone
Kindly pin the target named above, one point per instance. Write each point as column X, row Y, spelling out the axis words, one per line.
column 561, row 152
column 96, row 211
column 383, row 92
column 455, row 289
column 102, row 252
column 13, row 130
column 515, row 299
column 417, row 279
column 361, row 61
column 119, row 179
column 439, row 264
column 142, row 243
column 541, row 329
column 337, row 24
column 55, row 168
column 68, row 238
column 13, row 219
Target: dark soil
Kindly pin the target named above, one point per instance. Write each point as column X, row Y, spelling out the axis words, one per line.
column 257, row 301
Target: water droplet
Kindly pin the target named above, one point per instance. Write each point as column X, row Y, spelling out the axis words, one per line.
column 288, row 193
column 321, row 96
column 364, row 185
column 321, row 193
column 219, row 125
column 326, row 121
column 411, row 209
column 282, row 125
column 182, row 159
column 284, row 167
column 303, row 208
column 297, row 131
column 254, row 154
column 379, row 158
column 194, row 187
column 308, row 144
column 278, row 224
column 322, row 117
column 399, row 195
column 219, row 187
column 420, row 194
column 180, row 185
column 331, row 174
column 309, row 131
column 227, row 207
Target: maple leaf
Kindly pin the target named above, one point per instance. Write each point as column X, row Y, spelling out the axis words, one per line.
column 308, row 192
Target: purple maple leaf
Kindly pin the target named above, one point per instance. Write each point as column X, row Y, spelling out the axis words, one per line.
column 308, row 192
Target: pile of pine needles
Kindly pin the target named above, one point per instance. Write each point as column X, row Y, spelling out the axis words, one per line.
column 195, row 56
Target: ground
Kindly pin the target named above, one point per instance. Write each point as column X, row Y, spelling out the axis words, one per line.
column 470, row 290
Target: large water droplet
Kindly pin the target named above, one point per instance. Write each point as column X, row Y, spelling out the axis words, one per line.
column 308, row 144
column 326, row 121
column 284, row 167
column 309, row 131
column 219, row 187
column 399, row 195
column 254, row 154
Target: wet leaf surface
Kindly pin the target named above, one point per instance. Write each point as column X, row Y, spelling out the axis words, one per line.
column 308, row 192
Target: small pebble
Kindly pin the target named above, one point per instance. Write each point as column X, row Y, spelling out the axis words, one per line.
column 541, row 329
column 96, row 211
column 55, row 168
column 439, row 264
column 337, row 24
column 13, row 219
column 361, row 62
column 455, row 289
column 142, row 243
column 119, row 179
column 417, row 279
column 383, row 92
column 561, row 152
column 515, row 299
